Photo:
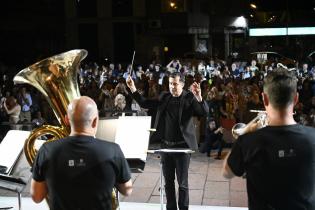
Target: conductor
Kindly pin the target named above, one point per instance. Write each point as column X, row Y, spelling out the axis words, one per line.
column 175, row 128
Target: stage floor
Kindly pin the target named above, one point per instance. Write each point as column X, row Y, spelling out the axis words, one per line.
column 207, row 188
column 28, row 204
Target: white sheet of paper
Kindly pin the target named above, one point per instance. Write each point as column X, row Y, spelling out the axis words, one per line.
column 130, row 132
column 171, row 151
column 132, row 135
column 106, row 129
column 11, row 147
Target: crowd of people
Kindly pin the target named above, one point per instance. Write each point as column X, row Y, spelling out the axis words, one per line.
column 231, row 90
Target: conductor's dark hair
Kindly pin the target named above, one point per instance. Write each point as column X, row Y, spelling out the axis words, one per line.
column 280, row 85
column 178, row 74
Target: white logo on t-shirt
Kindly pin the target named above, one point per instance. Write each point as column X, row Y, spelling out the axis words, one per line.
column 281, row 153
column 71, row 163
column 81, row 162
column 76, row 163
column 286, row 153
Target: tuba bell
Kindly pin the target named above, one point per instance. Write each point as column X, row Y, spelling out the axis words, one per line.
column 56, row 78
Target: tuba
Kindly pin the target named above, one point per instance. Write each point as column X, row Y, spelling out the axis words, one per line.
column 258, row 122
column 56, row 78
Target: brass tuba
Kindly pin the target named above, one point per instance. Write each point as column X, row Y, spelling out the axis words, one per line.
column 56, row 78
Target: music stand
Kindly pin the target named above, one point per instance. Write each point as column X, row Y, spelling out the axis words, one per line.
column 161, row 151
column 15, row 172
column 131, row 133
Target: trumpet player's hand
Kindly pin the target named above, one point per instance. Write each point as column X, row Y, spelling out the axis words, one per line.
column 253, row 127
column 130, row 83
column 196, row 90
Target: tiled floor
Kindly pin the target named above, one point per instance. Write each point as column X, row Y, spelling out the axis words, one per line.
column 27, row 204
column 207, row 186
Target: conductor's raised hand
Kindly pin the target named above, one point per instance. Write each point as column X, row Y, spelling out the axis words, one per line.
column 196, row 90
column 130, row 83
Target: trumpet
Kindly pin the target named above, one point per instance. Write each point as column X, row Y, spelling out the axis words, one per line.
column 258, row 122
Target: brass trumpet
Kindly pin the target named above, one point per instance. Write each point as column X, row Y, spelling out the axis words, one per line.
column 258, row 122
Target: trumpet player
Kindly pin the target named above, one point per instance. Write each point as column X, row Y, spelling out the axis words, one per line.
column 279, row 159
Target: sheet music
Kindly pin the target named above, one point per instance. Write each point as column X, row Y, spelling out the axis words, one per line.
column 11, row 147
column 171, row 151
column 130, row 132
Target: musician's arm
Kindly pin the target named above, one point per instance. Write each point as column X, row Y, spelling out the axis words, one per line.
column 123, row 177
column 226, row 170
column 125, row 188
column 142, row 101
column 233, row 164
column 38, row 191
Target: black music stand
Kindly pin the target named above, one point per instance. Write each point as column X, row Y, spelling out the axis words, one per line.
column 161, row 151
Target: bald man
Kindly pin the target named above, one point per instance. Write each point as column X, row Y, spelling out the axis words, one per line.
column 80, row 171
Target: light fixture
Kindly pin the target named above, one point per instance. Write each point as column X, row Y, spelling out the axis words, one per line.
column 240, row 22
column 291, row 31
column 253, row 6
column 172, row 4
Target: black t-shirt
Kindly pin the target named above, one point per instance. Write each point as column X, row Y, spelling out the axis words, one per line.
column 279, row 162
column 171, row 120
column 80, row 172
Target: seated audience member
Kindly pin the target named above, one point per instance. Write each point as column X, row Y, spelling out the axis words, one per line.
column 120, row 106
column 38, row 119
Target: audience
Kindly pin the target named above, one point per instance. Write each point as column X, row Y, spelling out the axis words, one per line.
column 232, row 90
